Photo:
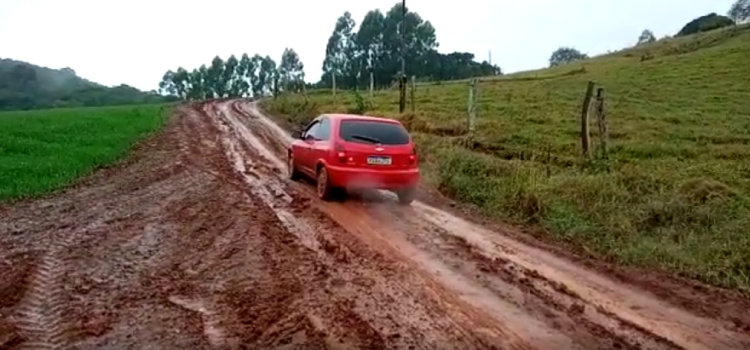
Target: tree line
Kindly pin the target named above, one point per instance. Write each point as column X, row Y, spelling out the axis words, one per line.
column 248, row 76
column 372, row 54
column 351, row 58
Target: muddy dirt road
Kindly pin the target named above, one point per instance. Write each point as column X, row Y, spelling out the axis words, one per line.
column 198, row 241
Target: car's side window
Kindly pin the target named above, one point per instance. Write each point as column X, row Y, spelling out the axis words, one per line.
column 324, row 130
column 312, row 130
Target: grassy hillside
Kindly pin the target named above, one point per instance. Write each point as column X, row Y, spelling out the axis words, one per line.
column 675, row 193
column 26, row 86
column 45, row 150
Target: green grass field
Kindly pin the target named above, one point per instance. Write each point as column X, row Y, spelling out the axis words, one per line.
column 44, row 150
column 675, row 192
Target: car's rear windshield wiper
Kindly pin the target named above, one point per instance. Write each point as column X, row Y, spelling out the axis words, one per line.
column 365, row 138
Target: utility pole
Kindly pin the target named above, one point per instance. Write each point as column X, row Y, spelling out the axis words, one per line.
column 402, row 78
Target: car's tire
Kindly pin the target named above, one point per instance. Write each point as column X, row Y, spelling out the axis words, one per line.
column 324, row 189
column 407, row 195
column 292, row 169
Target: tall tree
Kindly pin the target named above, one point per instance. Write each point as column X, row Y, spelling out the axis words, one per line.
column 182, row 85
column 166, row 86
column 291, row 72
column 254, row 74
column 418, row 36
column 214, row 78
column 197, row 84
column 267, row 75
column 369, row 41
column 229, row 77
column 242, row 83
column 340, row 49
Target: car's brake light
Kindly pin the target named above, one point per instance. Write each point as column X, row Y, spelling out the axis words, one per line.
column 341, row 153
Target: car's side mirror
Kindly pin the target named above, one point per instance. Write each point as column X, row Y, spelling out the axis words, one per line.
column 297, row 135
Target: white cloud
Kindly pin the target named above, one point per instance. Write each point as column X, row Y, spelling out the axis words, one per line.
column 136, row 41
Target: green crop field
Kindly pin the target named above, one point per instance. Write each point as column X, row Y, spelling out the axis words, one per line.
column 44, row 150
column 674, row 193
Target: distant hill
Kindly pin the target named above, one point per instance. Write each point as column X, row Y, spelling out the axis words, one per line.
column 28, row 86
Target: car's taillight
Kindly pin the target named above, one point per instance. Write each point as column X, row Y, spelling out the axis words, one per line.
column 341, row 154
column 413, row 156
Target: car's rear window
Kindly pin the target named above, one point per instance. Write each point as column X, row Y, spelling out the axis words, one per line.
column 366, row 131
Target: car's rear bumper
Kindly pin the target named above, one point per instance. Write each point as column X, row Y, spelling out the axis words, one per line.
column 367, row 178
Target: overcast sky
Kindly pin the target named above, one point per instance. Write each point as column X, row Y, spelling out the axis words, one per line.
column 136, row 41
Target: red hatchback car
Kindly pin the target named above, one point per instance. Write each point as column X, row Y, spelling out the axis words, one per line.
column 344, row 152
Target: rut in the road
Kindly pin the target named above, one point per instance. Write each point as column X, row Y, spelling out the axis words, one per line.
column 591, row 302
column 198, row 241
column 343, row 254
column 516, row 325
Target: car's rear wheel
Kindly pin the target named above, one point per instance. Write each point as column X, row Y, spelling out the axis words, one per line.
column 407, row 195
column 324, row 188
column 292, row 169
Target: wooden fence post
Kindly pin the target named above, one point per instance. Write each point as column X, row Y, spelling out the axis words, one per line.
column 601, row 119
column 411, row 92
column 472, row 116
column 585, row 141
column 333, row 83
column 402, row 92
column 372, row 84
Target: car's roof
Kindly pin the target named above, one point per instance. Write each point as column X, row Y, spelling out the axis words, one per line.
column 339, row 116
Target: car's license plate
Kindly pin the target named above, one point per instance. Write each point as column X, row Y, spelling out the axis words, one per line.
column 379, row 160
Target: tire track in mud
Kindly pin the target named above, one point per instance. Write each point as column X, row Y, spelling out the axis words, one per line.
column 527, row 289
column 199, row 241
column 343, row 255
column 40, row 316
column 619, row 308
column 516, row 328
column 569, row 298
column 359, row 220
column 256, row 175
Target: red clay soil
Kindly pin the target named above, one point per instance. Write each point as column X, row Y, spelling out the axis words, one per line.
column 199, row 241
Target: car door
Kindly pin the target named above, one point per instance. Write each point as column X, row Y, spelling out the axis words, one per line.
column 304, row 154
column 321, row 145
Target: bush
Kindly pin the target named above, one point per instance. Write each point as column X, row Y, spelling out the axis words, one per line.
column 360, row 105
column 705, row 23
